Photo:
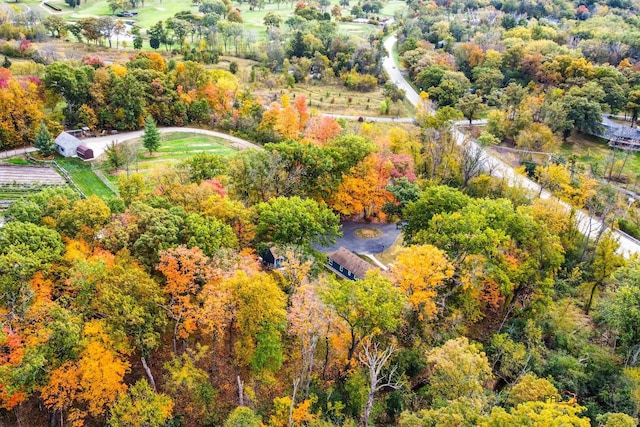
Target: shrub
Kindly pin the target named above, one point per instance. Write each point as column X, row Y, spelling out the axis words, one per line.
column 360, row 82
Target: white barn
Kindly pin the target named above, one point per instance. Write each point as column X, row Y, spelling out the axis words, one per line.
column 67, row 145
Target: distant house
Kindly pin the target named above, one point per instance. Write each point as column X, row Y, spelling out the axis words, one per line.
column 67, row 145
column 347, row 264
column 272, row 258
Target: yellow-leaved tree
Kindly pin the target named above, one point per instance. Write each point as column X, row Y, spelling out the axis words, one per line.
column 419, row 271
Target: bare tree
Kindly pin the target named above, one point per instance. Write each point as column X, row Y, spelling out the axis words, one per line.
column 473, row 160
column 375, row 359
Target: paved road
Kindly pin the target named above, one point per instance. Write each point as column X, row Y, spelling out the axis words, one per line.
column 588, row 225
column 99, row 144
column 363, row 246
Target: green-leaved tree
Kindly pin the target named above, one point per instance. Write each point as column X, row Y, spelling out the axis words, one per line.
column 44, row 141
column 151, row 137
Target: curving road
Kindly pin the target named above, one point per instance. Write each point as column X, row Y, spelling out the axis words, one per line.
column 588, row 225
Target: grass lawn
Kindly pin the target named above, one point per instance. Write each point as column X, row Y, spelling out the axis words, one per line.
column 81, row 173
column 392, row 7
column 174, row 148
column 160, row 10
column 388, row 256
column 152, row 11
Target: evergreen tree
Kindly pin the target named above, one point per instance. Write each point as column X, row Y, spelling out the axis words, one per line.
column 44, row 141
column 6, row 63
column 151, row 138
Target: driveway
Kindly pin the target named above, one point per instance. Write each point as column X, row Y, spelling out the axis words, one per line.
column 363, row 246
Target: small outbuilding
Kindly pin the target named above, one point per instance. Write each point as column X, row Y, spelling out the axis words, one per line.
column 67, row 145
column 84, row 152
column 272, row 258
column 347, row 264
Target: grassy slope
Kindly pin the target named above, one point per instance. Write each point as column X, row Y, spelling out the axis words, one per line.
column 84, row 177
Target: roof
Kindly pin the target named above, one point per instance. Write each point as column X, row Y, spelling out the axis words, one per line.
column 82, row 147
column 351, row 262
column 276, row 252
column 66, row 140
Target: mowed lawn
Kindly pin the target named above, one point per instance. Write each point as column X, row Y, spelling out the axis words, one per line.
column 81, row 173
column 160, row 10
column 174, row 148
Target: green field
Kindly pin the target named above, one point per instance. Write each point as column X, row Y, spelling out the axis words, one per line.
column 174, row 148
column 160, row 10
column 81, row 173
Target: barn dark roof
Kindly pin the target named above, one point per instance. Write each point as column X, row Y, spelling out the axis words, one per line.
column 351, row 262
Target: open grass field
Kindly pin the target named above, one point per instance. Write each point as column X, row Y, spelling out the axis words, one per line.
column 160, row 10
column 174, row 148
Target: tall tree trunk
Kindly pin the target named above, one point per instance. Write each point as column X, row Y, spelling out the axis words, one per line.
column 296, row 382
column 367, row 408
column 593, row 292
column 149, row 374
column 326, row 357
column 240, row 391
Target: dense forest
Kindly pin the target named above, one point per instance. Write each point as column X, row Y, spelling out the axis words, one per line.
column 154, row 307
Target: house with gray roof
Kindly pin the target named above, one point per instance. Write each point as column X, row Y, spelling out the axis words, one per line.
column 347, row 264
column 67, row 145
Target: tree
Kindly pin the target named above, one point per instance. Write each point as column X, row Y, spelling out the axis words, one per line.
column 469, row 105
column 141, row 406
column 604, row 263
column 633, row 105
column 552, row 414
column 530, row 388
column 419, row 271
column 363, row 191
column 99, row 376
column 41, row 243
column 583, row 105
column 116, row 156
column 130, row 302
column 619, row 310
column 186, row 272
column 434, row 200
column 258, row 306
column 368, row 307
column 191, row 387
column 55, row 24
column 208, row 234
column 296, row 221
column 243, row 417
column 85, row 218
column 151, row 137
column 272, row 20
column 538, row 137
column 375, row 360
column 458, row 369
column 309, row 319
column 20, row 111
